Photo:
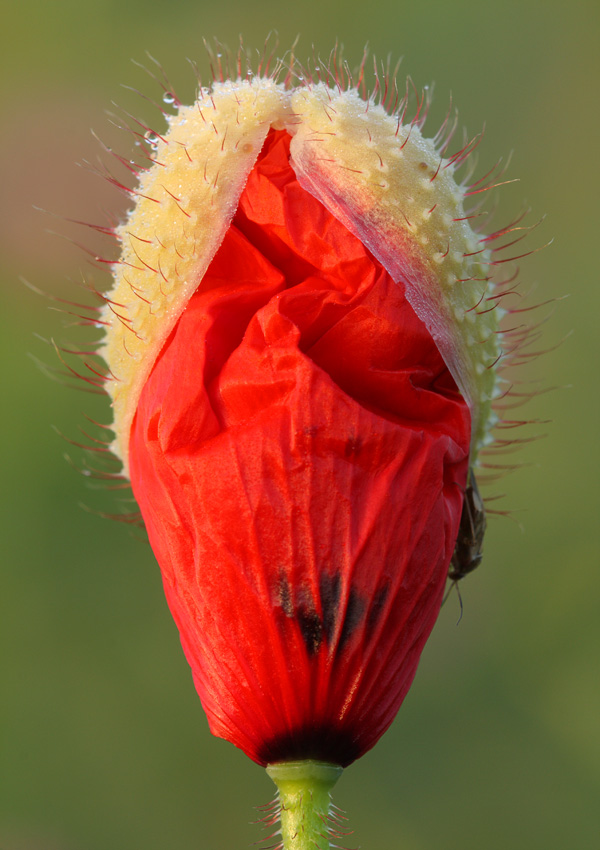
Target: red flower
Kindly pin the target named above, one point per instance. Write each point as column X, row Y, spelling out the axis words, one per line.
column 302, row 379
column 299, row 454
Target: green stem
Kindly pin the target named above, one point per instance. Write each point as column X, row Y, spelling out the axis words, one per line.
column 305, row 801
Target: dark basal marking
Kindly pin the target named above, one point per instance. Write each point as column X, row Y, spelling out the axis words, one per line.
column 355, row 609
column 311, row 628
column 320, row 742
column 376, row 609
column 329, row 590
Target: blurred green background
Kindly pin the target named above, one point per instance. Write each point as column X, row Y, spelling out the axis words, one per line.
column 103, row 741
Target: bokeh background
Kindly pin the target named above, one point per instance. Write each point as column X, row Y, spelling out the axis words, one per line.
column 104, row 744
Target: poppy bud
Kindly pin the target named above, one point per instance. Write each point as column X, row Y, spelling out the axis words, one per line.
column 302, row 378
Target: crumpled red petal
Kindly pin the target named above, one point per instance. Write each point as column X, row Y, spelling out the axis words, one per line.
column 299, row 455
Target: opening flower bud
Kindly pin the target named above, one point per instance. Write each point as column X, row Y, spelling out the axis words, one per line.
column 302, row 378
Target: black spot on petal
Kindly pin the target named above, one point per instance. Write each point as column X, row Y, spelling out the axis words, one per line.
column 311, row 628
column 284, row 595
column 329, row 591
column 355, row 609
column 376, row 609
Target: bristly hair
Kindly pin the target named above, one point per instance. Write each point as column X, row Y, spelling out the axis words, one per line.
column 378, row 87
column 334, row 826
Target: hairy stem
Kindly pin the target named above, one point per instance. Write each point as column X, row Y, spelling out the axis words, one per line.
column 305, row 801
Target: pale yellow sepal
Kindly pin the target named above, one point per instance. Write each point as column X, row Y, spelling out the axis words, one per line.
column 383, row 180
column 185, row 204
column 391, row 188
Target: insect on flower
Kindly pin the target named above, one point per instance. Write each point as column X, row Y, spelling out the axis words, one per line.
column 468, row 553
column 303, row 351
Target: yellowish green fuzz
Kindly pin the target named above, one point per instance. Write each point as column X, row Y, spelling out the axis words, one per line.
column 305, row 802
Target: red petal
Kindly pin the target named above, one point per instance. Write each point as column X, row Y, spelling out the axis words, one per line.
column 299, row 455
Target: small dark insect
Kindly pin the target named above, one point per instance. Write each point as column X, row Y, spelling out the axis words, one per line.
column 469, row 543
